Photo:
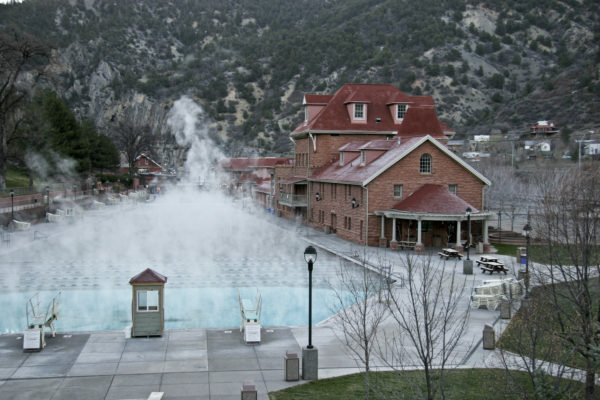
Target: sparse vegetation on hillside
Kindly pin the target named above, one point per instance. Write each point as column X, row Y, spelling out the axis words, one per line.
column 491, row 63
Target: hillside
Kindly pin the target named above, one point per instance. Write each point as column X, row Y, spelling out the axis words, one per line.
column 490, row 65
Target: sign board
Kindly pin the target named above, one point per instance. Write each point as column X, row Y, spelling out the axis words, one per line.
column 252, row 333
column 32, row 339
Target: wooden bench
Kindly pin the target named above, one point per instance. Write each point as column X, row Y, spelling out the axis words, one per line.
column 406, row 243
column 492, row 266
column 449, row 253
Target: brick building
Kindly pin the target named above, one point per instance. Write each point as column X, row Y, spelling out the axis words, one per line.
column 372, row 166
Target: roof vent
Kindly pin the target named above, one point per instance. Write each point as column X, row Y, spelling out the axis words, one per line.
column 378, row 120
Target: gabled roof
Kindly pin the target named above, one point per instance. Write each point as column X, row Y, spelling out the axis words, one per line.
column 433, row 199
column 148, row 276
column 379, row 98
column 353, row 172
column 149, row 159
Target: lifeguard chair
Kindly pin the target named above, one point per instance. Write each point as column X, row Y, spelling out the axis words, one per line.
column 250, row 312
column 147, row 305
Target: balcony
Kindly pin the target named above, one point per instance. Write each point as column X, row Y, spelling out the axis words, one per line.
column 292, row 200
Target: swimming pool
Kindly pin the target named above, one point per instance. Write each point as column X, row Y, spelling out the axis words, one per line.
column 207, row 247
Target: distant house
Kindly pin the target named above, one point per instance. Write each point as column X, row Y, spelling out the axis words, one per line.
column 545, row 127
column 143, row 164
column 591, row 149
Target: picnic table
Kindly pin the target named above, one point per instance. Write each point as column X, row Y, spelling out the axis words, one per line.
column 450, row 253
column 406, row 243
column 491, row 264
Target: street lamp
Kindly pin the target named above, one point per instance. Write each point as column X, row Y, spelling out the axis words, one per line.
column 12, row 204
column 468, row 231
column 310, row 256
column 527, row 230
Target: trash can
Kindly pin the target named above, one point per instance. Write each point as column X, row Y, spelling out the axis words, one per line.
column 291, row 366
column 522, row 255
column 489, row 337
column 249, row 391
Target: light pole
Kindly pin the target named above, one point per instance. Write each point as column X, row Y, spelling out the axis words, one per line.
column 527, row 229
column 310, row 255
column 48, row 198
column 310, row 355
column 468, row 231
column 12, row 204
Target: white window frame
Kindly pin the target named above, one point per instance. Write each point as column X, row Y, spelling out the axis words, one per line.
column 359, row 111
column 363, row 157
column 425, row 163
column 305, row 113
column 341, row 158
column 401, row 111
column 152, row 301
column 398, row 188
column 453, row 188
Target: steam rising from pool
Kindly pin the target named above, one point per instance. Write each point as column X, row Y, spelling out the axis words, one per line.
column 205, row 242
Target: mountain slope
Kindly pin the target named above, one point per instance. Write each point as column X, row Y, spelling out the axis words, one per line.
column 491, row 64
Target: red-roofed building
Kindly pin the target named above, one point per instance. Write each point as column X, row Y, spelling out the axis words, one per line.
column 364, row 149
column 372, row 166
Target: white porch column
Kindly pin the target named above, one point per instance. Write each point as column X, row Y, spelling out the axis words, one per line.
column 382, row 227
column 394, row 230
column 419, row 231
column 485, row 231
column 458, row 242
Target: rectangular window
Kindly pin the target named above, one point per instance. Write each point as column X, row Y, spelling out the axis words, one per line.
column 452, row 188
column 359, row 111
column 398, row 191
column 341, row 158
column 147, row 300
column 363, row 157
column 349, row 223
column 305, row 113
column 401, row 111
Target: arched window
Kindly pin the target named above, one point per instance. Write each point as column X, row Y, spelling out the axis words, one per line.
column 425, row 164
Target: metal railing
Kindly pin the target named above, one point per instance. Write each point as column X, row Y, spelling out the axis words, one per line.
column 293, row 200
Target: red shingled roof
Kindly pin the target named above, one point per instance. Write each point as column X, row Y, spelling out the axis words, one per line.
column 420, row 121
column 148, row 276
column 433, row 199
column 244, row 164
column 317, row 99
column 334, row 116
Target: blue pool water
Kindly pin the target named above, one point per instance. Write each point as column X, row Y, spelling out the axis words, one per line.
column 90, row 310
column 206, row 246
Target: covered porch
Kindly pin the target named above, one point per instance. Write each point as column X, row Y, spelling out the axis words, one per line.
column 420, row 230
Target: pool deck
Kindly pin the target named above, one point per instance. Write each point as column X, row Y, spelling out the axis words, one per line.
column 199, row 363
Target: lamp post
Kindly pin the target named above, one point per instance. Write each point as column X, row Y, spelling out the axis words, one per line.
column 12, row 204
column 468, row 263
column 527, row 230
column 310, row 359
column 310, row 255
column 468, row 231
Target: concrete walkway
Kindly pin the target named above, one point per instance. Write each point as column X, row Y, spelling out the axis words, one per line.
column 202, row 363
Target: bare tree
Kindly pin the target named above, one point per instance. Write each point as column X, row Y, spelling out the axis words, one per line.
column 20, row 55
column 361, row 311
column 134, row 140
column 428, row 322
column 529, row 345
column 568, row 224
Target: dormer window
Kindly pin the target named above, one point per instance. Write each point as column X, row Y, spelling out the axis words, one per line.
column 359, row 111
column 363, row 157
column 305, row 113
column 401, row 111
column 341, row 158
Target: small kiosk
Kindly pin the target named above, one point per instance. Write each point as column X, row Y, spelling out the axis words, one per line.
column 147, row 304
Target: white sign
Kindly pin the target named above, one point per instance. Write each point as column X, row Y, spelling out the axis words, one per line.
column 252, row 333
column 32, row 339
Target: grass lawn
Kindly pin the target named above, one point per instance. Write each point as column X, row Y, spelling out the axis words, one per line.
column 540, row 254
column 537, row 326
column 475, row 384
